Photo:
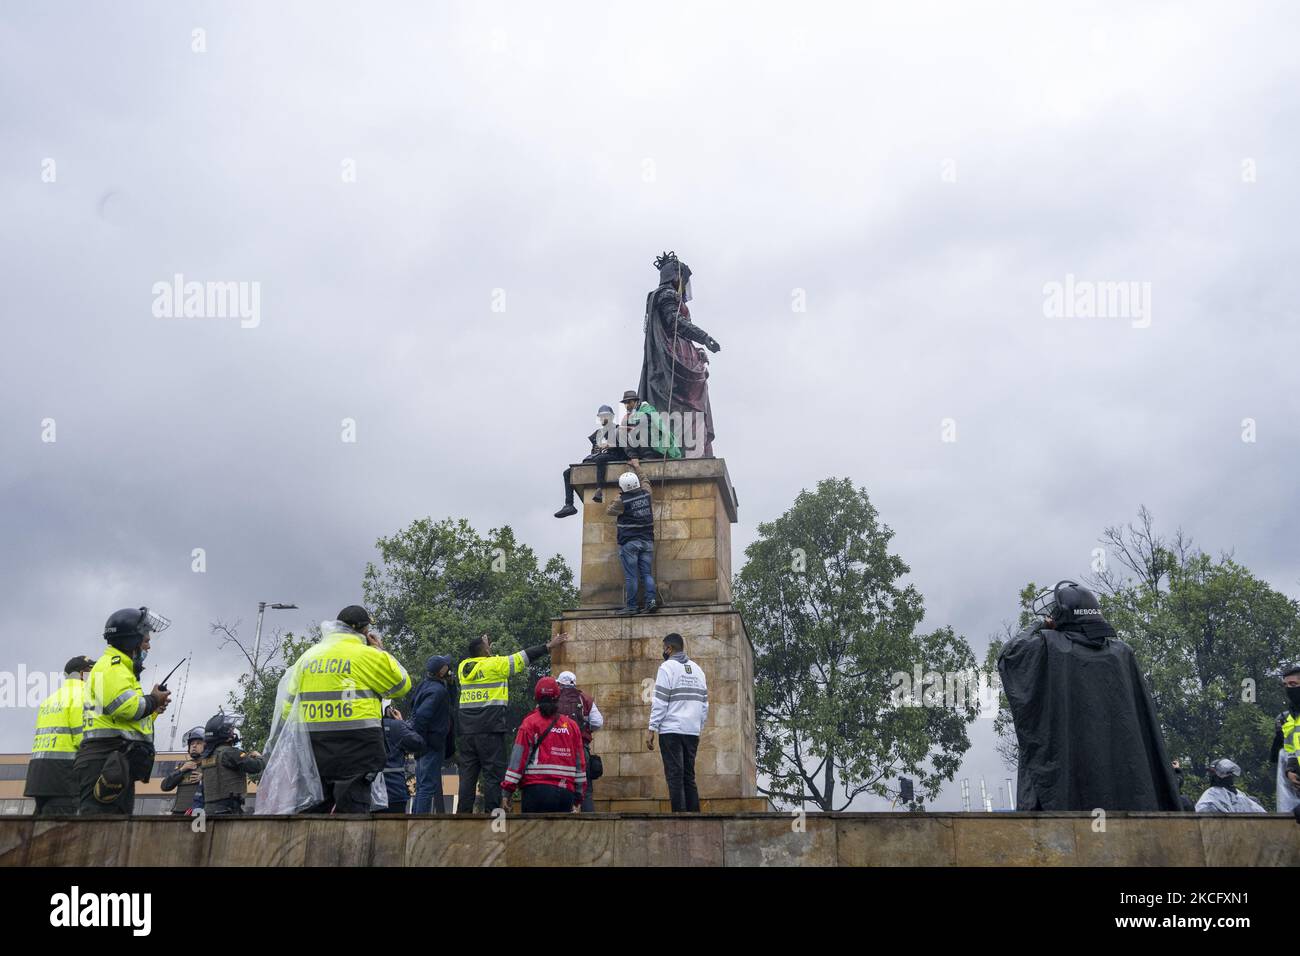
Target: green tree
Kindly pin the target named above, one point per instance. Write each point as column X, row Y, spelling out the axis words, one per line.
column 440, row 583
column 437, row 585
column 1212, row 638
column 254, row 698
column 833, row 631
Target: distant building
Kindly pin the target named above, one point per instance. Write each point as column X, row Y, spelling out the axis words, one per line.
column 149, row 797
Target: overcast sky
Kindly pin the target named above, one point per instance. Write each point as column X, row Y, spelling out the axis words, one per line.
column 916, row 175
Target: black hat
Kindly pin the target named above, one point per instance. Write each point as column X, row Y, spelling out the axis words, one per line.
column 631, row 396
column 356, row 617
column 78, row 664
column 1292, row 669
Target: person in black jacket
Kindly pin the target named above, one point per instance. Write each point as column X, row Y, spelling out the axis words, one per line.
column 431, row 718
column 188, row 777
column 226, row 767
column 636, row 542
column 400, row 739
column 604, row 449
column 1085, row 722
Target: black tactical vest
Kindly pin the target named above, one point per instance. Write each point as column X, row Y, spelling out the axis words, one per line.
column 221, row 783
column 637, row 519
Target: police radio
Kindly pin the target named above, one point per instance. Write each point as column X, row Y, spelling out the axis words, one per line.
column 163, row 685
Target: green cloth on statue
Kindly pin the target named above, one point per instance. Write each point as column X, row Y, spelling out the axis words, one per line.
column 657, row 433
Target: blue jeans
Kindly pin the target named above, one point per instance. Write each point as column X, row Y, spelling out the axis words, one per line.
column 428, row 784
column 636, row 556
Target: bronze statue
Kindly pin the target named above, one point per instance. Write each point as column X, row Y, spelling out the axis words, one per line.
column 674, row 369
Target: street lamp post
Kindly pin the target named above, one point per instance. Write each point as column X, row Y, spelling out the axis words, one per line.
column 257, row 637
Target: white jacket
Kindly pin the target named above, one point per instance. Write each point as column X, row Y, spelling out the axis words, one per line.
column 681, row 703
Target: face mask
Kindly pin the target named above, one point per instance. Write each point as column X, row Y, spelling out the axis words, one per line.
column 667, row 654
column 1293, row 695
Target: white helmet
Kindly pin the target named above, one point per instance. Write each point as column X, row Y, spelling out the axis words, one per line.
column 628, row 481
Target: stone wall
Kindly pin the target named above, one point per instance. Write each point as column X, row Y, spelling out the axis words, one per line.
column 616, row 658
column 843, row 839
column 694, row 506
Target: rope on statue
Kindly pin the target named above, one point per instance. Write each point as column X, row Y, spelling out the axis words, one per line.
column 672, row 383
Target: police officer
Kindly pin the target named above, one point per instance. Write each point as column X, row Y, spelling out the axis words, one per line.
column 188, row 777
column 484, row 693
column 225, row 767
column 50, row 778
column 1059, row 674
column 117, row 740
column 337, row 687
column 1285, row 751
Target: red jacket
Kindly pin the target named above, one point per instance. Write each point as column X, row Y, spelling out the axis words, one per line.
column 560, row 761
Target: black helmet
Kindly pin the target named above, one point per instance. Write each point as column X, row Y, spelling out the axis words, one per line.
column 1069, row 603
column 125, row 629
column 221, row 729
column 193, row 734
column 356, row 617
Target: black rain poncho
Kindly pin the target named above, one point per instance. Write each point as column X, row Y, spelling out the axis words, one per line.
column 1085, row 723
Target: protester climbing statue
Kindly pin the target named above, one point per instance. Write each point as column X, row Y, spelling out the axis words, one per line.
column 675, row 369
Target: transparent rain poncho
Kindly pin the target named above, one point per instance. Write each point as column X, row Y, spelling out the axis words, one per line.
column 1287, row 798
column 290, row 782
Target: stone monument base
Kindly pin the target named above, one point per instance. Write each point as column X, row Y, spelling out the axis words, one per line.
column 616, row 658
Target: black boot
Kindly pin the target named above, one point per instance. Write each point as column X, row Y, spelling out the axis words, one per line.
column 567, row 510
column 598, row 497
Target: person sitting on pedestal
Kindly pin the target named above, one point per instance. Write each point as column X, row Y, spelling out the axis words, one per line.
column 645, row 432
column 604, row 449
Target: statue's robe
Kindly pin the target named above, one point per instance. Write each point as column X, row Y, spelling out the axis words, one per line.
column 675, row 371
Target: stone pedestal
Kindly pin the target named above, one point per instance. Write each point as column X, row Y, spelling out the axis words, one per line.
column 694, row 506
column 616, row 656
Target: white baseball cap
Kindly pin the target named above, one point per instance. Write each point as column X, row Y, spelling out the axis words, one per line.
column 567, row 678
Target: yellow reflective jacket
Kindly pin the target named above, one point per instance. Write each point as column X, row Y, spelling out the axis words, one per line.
column 485, row 691
column 114, row 702
column 58, row 727
column 338, row 684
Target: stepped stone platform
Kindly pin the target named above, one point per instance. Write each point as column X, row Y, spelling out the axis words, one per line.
column 616, row 656
column 643, row 840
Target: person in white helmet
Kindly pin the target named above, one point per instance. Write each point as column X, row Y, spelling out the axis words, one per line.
column 582, row 708
column 1222, row 796
column 636, row 541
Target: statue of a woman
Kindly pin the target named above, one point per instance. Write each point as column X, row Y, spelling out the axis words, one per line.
column 675, row 370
